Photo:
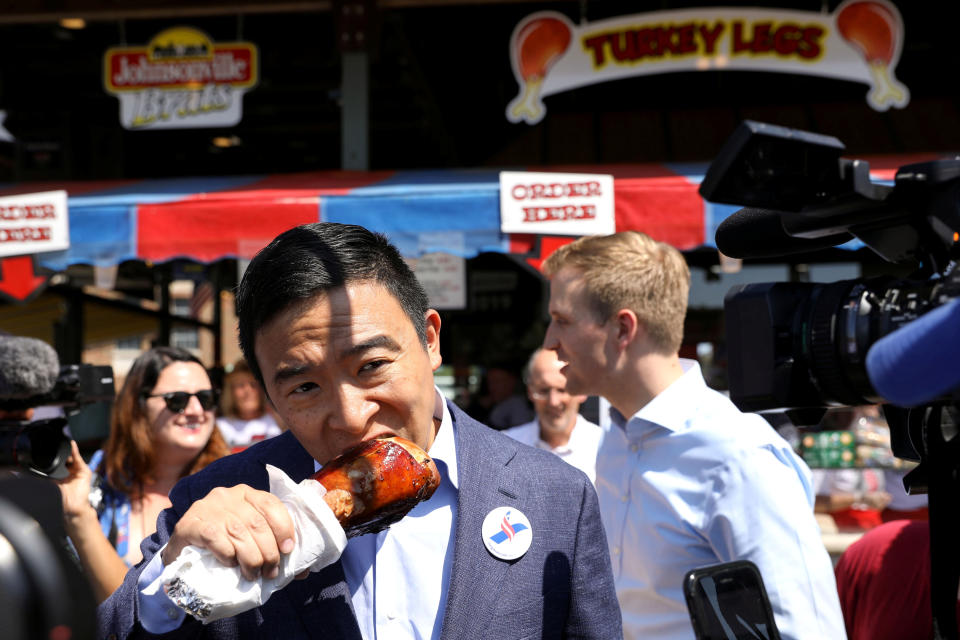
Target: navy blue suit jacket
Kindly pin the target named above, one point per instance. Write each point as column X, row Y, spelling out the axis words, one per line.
column 561, row 588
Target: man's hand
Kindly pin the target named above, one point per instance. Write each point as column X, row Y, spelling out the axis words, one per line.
column 241, row 526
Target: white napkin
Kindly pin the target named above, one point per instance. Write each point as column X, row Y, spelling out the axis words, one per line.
column 197, row 582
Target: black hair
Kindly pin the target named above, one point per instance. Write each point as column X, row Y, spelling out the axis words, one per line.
column 312, row 259
column 147, row 367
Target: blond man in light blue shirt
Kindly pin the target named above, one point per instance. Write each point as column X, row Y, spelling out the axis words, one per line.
column 684, row 478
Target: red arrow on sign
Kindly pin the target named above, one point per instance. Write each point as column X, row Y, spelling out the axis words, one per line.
column 17, row 277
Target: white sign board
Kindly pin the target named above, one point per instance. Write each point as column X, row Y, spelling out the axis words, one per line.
column 181, row 79
column 560, row 204
column 444, row 277
column 34, row 223
column 860, row 41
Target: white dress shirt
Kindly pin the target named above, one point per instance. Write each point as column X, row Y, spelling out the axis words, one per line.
column 398, row 577
column 690, row 481
column 580, row 450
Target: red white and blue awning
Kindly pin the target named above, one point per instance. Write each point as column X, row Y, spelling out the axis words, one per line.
column 454, row 211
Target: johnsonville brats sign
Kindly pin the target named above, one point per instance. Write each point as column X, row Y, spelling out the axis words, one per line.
column 181, row 79
column 860, row 42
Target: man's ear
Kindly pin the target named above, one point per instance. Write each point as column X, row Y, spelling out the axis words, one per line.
column 628, row 327
column 433, row 339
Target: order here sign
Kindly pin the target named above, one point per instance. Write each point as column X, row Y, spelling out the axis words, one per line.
column 34, row 223
column 564, row 204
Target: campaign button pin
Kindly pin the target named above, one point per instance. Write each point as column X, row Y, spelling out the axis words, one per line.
column 507, row 533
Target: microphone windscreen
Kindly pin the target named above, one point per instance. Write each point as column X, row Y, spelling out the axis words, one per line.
column 28, row 367
column 920, row 361
column 758, row 233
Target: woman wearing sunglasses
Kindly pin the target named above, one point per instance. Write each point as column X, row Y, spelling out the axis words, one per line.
column 162, row 428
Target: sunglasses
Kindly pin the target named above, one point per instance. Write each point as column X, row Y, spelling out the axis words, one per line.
column 177, row 401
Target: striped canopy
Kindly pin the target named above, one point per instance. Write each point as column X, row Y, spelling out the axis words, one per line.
column 455, row 211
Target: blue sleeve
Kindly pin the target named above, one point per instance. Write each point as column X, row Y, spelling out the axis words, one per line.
column 759, row 510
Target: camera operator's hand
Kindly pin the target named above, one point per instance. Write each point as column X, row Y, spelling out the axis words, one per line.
column 75, row 490
column 241, row 526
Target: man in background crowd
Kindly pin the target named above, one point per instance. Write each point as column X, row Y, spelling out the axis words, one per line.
column 558, row 426
column 500, row 403
column 684, row 479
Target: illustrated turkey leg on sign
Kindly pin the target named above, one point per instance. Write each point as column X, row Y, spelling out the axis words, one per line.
column 536, row 45
column 875, row 30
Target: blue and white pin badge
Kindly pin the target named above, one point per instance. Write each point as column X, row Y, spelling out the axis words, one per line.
column 507, row 533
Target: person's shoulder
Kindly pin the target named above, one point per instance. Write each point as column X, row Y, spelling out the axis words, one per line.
column 714, row 416
column 229, row 425
column 548, row 481
column 585, row 425
column 245, row 467
column 275, row 451
column 545, row 466
column 521, row 455
column 724, row 444
column 544, row 460
column 525, row 433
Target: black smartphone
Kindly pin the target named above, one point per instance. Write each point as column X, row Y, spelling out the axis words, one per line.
column 729, row 602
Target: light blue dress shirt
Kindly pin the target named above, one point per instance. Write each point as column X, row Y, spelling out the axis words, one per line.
column 398, row 577
column 690, row 481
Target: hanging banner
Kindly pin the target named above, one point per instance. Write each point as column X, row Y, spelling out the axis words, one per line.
column 860, row 41
column 560, row 204
column 180, row 80
column 30, row 223
column 34, row 223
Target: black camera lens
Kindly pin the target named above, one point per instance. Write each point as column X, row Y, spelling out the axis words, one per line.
column 41, row 447
column 805, row 345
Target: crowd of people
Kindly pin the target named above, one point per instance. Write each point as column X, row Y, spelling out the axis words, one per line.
column 340, row 346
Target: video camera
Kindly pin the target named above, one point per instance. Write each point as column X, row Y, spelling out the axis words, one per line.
column 797, row 345
column 40, row 578
column 803, row 347
column 32, row 377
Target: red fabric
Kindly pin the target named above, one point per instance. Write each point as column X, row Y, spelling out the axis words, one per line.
column 859, row 519
column 883, row 581
column 521, row 243
column 548, row 244
column 889, row 515
column 668, row 209
column 653, row 199
column 206, row 230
